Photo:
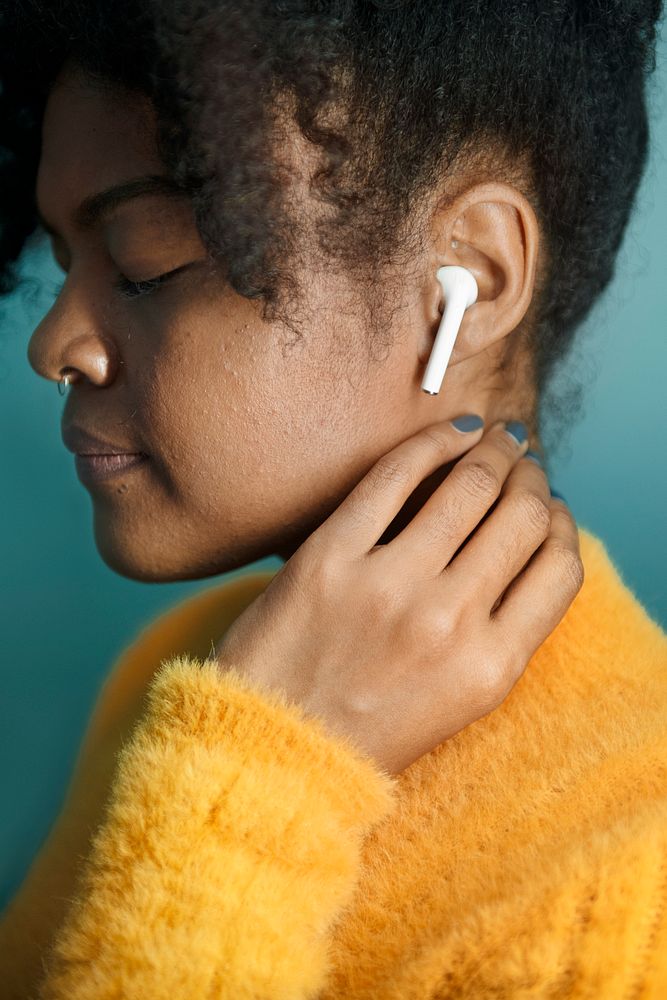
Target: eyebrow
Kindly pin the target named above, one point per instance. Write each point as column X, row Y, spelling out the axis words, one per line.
column 95, row 207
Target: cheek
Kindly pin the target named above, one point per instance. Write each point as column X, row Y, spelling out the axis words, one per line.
column 250, row 427
column 235, row 410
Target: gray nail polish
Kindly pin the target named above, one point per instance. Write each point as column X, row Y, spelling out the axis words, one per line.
column 470, row 422
column 518, row 430
column 558, row 496
column 535, row 457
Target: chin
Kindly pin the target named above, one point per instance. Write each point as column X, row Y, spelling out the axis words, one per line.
column 152, row 553
column 134, row 553
column 126, row 561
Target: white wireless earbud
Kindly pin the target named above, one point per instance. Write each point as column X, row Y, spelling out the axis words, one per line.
column 460, row 290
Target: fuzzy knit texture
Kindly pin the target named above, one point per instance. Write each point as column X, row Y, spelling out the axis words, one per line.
column 216, row 842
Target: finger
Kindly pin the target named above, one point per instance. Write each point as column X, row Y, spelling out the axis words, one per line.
column 457, row 506
column 539, row 596
column 503, row 544
column 364, row 515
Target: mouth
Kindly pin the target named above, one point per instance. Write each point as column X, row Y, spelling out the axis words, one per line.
column 93, row 469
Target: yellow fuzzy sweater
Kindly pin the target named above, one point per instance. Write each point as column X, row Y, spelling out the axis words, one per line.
column 216, row 842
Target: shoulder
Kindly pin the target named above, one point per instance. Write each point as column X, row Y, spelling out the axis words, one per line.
column 594, row 696
column 608, row 590
column 608, row 620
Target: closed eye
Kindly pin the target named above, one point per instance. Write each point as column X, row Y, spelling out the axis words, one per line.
column 132, row 289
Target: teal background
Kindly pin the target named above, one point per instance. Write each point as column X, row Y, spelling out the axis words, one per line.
column 66, row 616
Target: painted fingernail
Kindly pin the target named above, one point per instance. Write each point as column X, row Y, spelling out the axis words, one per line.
column 470, row 422
column 558, row 496
column 535, row 457
column 518, row 430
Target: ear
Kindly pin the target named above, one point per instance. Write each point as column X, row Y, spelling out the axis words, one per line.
column 496, row 236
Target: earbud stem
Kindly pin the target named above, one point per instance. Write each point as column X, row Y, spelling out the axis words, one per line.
column 443, row 345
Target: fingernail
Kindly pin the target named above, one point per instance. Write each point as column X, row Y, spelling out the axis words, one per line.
column 470, row 422
column 518, row 430
column 558, row 496
column 535, row 457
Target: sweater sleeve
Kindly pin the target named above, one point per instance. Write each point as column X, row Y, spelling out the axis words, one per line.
column 230, row 843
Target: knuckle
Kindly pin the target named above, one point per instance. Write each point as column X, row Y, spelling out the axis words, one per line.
column 388, row 472
column 316, row 571
column 480, row 477
column 435, row 623
column 436, row 436
column 533, row 510
column 429, row 634
column 499, row 679
column 504, row 443
column 441, row 525
column 489, row 690
column 570, row 565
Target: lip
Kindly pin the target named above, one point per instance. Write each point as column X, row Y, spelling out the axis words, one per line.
column 83, row 442
column 92, row 469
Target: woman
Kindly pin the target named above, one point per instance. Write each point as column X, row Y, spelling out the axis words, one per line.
column 426, row 758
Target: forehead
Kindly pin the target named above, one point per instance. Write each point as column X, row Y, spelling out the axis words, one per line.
column 92, row 138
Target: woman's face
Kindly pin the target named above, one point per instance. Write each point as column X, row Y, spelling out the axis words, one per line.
column 252, row 437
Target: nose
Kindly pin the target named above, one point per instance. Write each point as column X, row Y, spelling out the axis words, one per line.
column 70, row 342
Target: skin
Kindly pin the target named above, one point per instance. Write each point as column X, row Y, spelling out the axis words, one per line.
column 253, row 439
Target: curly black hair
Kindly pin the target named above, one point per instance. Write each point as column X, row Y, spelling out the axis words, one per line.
column 396, row 94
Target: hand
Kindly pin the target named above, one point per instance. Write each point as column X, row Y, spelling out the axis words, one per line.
column 400, row 646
